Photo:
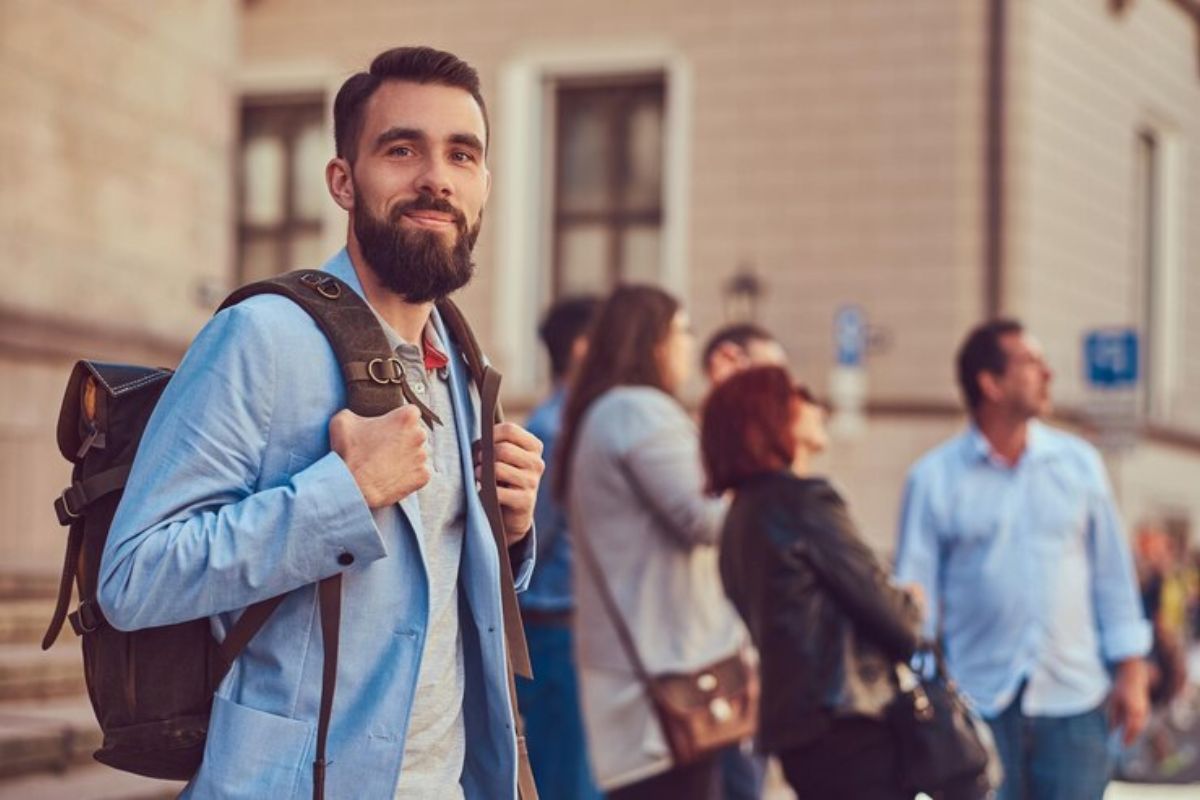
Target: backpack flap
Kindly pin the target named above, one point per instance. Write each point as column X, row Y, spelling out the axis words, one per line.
column 91, row 389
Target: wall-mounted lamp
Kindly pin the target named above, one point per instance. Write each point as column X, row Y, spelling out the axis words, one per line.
column 741, row 293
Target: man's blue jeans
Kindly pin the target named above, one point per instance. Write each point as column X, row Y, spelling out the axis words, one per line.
column 1052, row 758
column 553, row 721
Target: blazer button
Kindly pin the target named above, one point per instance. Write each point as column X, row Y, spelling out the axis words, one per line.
column 346, row 559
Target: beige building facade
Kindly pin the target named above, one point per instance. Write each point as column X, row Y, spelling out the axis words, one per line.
column 930, row 162
column 117, row 131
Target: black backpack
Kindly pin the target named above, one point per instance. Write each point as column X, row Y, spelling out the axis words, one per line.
column 152, row 689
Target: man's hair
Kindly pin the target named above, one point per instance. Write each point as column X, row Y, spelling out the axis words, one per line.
column 740, row 334
column 981, row 352
column 565, row 322
column 413, row 64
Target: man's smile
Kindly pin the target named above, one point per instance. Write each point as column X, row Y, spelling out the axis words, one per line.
column 437, row 220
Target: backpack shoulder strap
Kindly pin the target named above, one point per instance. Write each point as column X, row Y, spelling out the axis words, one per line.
column 375, row 384
column 487, row 381
column 372, row 374
column 460, row 330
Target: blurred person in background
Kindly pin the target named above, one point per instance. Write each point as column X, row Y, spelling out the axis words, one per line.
column 1164, row 601
column 550, row 702
column 728, row 351
column 629, row 472
column 828, row 624
column 1011, row 529
column 735, row 347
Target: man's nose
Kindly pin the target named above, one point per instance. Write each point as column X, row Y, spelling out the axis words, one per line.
column 434, row 179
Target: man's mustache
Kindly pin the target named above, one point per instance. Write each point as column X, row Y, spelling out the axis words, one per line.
column 426, row 202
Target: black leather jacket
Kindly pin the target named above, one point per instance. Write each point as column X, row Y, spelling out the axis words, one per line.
column 828, row 625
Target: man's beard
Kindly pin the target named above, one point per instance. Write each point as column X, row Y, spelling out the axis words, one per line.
column 417, row 264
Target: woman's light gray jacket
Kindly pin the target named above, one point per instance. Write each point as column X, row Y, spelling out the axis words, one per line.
column 636, row 493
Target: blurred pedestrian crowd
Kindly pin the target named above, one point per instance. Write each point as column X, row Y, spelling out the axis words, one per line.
column 670, row 543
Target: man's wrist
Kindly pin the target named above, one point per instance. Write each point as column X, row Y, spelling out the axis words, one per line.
column 1132, row 669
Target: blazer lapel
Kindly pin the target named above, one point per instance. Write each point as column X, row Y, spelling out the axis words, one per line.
column 466, row 421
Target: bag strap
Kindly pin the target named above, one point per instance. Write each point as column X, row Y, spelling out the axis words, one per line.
column 329, row 594
column 487, row 381
column 614, row 612
column 375, row 385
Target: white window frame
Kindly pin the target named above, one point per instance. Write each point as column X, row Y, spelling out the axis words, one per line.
column 1164, row 328
column 524, row 198
column 302, row 77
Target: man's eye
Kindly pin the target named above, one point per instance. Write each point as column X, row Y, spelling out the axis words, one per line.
column 463, row 157
column 400, row 150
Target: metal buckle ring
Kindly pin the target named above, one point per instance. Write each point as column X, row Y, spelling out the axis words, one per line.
column 84, row 625
column 323, row 285
column 66, row 506
column 377, row 363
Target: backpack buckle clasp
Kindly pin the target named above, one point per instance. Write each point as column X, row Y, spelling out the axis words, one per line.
column 324, row 285
column 62, row 507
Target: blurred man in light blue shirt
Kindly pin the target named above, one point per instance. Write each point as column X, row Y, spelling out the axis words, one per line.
column 1011, row 530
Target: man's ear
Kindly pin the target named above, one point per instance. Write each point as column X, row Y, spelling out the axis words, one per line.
column 989, row 386
column 339, row 179
column 731, row 353
column 579, row 349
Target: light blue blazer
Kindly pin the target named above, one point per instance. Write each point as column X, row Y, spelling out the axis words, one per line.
column 235, row 497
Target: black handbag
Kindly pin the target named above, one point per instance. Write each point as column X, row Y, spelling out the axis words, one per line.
column 943, row 745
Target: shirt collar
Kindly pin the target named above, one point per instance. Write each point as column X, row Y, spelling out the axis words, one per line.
column 433, row 351
column 1037, row 444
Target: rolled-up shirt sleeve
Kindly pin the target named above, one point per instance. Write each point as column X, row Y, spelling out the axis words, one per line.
column 917, row 555
column 664, row 467
column 1124, row 631
column 523, row 556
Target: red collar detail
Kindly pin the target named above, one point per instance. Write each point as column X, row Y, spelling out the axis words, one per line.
column 434, row 358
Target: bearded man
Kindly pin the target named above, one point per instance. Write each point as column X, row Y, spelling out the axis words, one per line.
column 253, row 481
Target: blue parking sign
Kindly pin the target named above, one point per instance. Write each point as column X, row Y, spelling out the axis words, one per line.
column 1111, row 358
column 850, row 335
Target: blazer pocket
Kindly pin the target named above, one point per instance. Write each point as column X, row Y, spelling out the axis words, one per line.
column 252, row 754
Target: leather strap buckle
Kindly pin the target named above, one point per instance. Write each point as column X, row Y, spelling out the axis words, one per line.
column 86, row 619
column 62, row 507
column 377, row 372
column 324, row 285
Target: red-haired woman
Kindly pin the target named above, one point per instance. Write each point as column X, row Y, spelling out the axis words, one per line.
column 827, row 623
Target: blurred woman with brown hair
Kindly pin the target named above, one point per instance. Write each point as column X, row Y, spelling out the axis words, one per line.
column 828, row 625
column 631, row 481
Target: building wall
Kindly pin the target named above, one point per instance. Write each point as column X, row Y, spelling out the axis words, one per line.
column 115, row 208
column 832, row 145
column 1085, row 81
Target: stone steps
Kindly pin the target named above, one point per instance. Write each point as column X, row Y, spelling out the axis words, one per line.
column 29, row 673
column 25, row 621
column 37, row 736
column 28, row 585
column 47, row 730
column 88, row 782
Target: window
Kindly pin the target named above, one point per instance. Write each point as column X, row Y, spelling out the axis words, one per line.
column 608, row 192
column 1147, row 253
column 1157, row 261
column 281, row 185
